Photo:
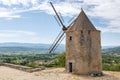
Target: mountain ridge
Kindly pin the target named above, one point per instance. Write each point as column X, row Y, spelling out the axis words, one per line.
column 112, row 51
column 44, row 48
column 28, row 47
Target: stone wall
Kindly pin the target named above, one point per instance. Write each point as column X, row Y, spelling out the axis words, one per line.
column 83, row 51
column 23, row 68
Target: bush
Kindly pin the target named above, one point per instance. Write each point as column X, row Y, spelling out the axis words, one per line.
column 58, row 62
column 32, row 64
column 61, row 60
column 106, row 67
column 112, row 67
column 115, row 67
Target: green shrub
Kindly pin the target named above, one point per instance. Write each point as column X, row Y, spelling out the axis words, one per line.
column 61, row 60
column 106, row 67
column 115, row 67
column 32, row 64
column 58, row 62
column 112, row 67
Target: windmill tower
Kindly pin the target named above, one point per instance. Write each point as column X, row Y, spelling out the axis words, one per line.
column 83, row 46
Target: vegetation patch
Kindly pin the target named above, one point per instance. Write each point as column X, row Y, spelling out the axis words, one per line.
column 110, row 59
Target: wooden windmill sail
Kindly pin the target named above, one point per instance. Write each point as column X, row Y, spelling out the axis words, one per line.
column 60, row 37
column 83, row 46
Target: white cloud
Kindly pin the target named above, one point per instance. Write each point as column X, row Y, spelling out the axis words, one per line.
column 104, row 9
column 18, row 2
column 108, row 10
column 13, row 8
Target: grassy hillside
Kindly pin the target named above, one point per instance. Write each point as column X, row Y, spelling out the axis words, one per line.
column 111, row 51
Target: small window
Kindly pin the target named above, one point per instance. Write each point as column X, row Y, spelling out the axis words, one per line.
column 82, row 38
column 81, row 32
column 70, row 38
column 89, row 32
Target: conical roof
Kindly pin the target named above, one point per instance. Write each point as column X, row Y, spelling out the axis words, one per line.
column 82, row 23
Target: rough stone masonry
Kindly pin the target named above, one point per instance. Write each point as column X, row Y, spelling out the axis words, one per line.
column 83, row 47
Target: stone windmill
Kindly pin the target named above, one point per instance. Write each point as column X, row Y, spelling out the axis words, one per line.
column 83, row 46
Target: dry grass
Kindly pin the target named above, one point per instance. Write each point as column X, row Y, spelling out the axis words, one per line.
column 51, row 74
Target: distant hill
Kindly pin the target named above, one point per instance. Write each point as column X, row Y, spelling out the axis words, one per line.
column 27, row 48
column 106, row 47
column 43, row 48
column 24, row 45
column 112, row 51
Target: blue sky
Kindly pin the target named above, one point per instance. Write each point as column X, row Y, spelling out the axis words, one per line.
column 32, row 21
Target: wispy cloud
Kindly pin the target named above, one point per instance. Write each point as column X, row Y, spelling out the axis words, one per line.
column 16, row 32
column 13, row 8
column 104, row 9
column 18, row 36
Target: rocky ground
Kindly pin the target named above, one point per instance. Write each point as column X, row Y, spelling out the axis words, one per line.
column 7, row 73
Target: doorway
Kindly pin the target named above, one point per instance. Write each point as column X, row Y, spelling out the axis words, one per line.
column 70, row 67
